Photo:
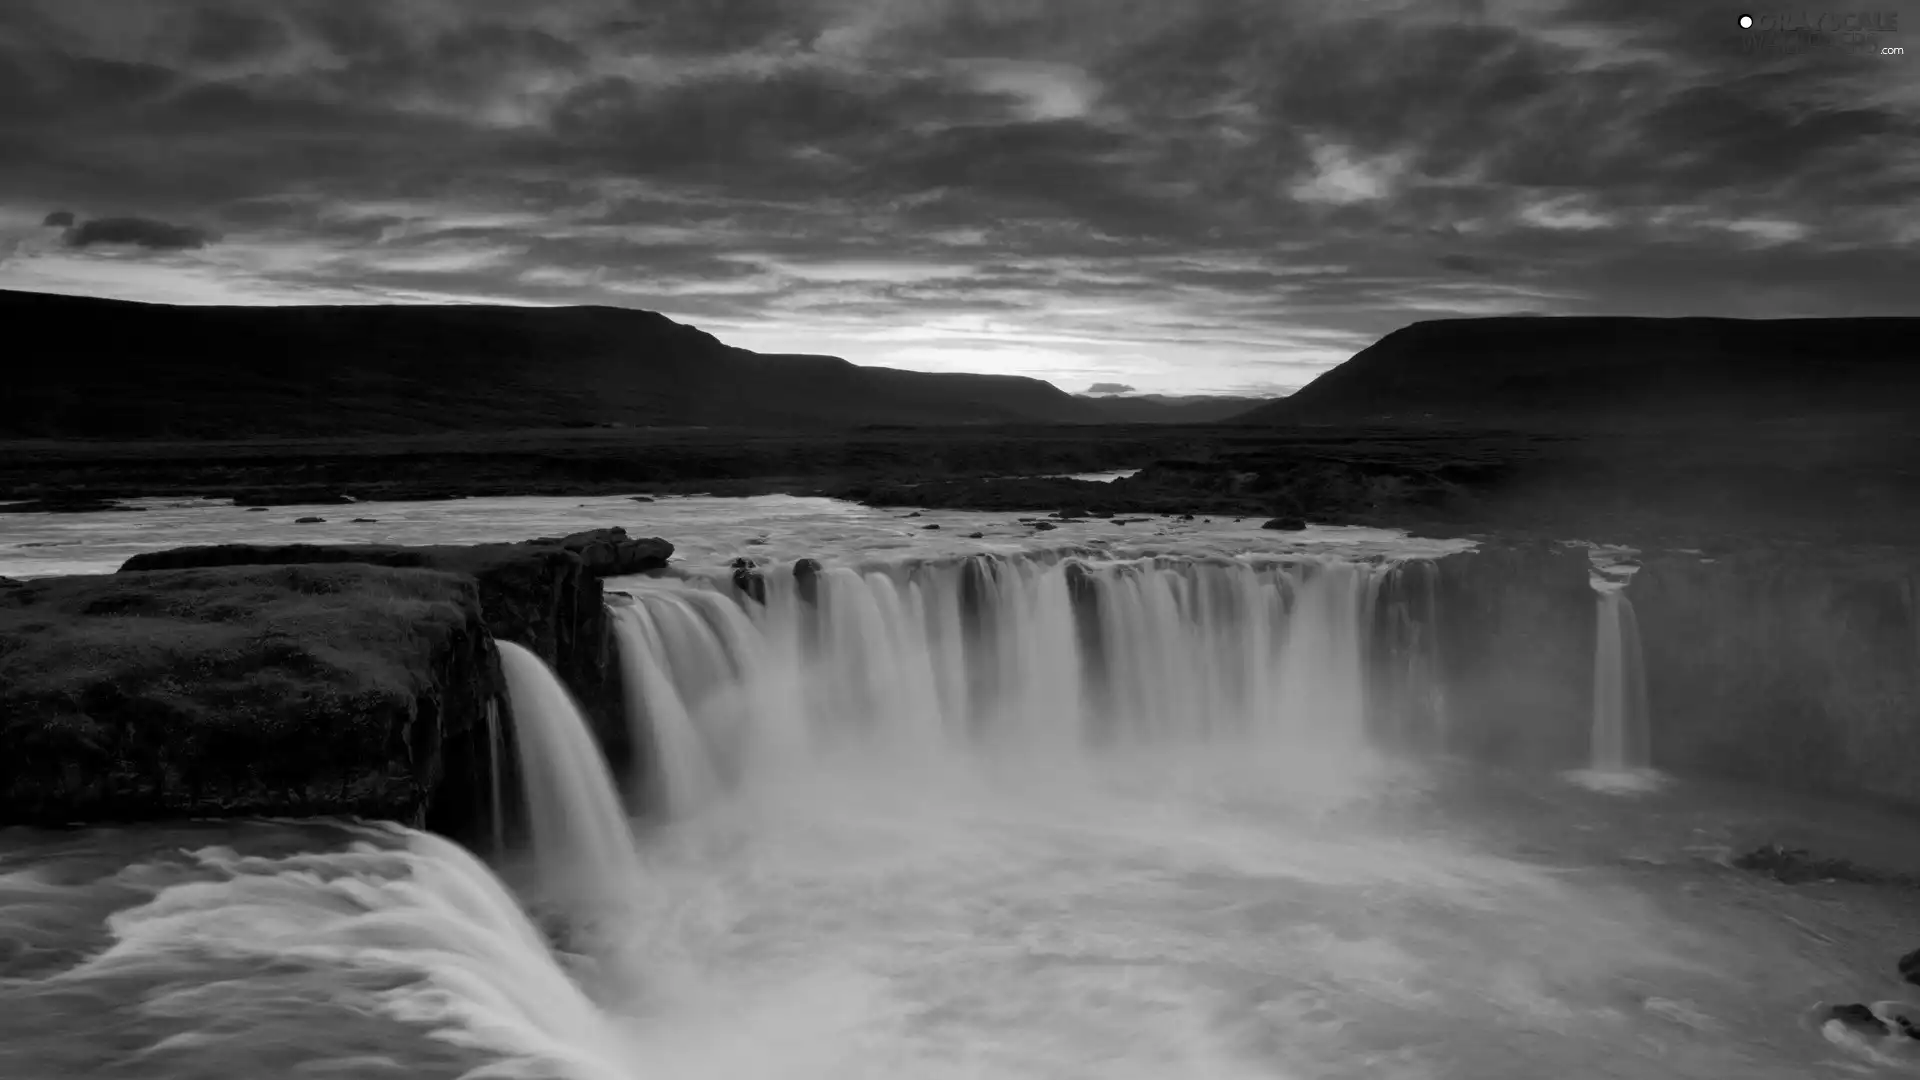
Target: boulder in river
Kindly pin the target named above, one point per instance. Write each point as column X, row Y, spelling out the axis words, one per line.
column 749, row 580
column 1910, row 967
column 806, row 575
column 1286, row 524
column 1858, row 1017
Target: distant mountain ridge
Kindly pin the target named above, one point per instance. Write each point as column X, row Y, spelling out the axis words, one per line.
column 1172, row 408
column 1617, row 370
column 83, row 367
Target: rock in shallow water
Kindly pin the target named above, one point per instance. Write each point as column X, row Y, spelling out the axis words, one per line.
column 749, row 580
column 1910, row 967
column 1860, row 1018
column 806, row 575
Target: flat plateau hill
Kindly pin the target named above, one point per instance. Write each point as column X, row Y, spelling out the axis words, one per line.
column 1551, row 371
column 77, row 367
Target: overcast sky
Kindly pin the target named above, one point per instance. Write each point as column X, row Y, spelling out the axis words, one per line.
column 1174, row 195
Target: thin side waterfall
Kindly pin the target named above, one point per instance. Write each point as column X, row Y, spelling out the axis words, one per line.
column 581, row 839
column 1620, row 737
column 496, row 751
column 1038, row 659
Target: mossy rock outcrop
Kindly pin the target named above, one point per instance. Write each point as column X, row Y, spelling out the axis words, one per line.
column 251, row 690
column 544, row 594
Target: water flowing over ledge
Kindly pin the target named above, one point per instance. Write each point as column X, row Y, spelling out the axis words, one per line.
column 1042, row 658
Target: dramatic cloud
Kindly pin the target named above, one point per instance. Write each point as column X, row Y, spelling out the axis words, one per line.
column 1109, row 388
column 1205, row 195
column 134, row 232
column 59, row 219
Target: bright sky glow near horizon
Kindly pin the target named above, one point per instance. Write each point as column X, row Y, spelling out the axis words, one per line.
column 1191, row 196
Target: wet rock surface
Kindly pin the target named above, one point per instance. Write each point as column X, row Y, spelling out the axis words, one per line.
column 1860, row 1018
column 749, row 580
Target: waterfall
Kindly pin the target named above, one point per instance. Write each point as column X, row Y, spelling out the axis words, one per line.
column 1038, row 659
column 1620, row 740
column 581, row 839
column 684, row 775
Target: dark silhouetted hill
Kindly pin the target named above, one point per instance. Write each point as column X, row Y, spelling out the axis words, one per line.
column 1602, row 370
column 1171, row 408
column 80, row 367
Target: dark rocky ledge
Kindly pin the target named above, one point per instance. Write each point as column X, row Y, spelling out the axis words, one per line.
column 1789, row 665
column 1487, row 654
column 347, row 689
column 544, row 594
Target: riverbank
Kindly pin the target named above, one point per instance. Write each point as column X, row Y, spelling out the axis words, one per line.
column 1693, row 487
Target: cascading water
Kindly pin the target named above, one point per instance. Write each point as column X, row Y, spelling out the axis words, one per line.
column 1619, row 756
column 1037, row 658
column 581, row 840
column 1620, row 738
column 658, row 716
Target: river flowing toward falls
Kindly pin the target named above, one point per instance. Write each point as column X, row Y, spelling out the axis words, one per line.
column 895, row 855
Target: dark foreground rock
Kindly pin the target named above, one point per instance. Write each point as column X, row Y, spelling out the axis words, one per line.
column 290, row 496
column 348, row 689
column 1793, row 666
column 544, row 594
column 1798, row 866
column 1860, row 1018
column 63, row 506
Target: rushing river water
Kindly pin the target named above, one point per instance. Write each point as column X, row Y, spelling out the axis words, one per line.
column 1230, row 895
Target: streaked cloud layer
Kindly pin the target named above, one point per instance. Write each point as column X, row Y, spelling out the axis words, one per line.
column 1205, row 195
